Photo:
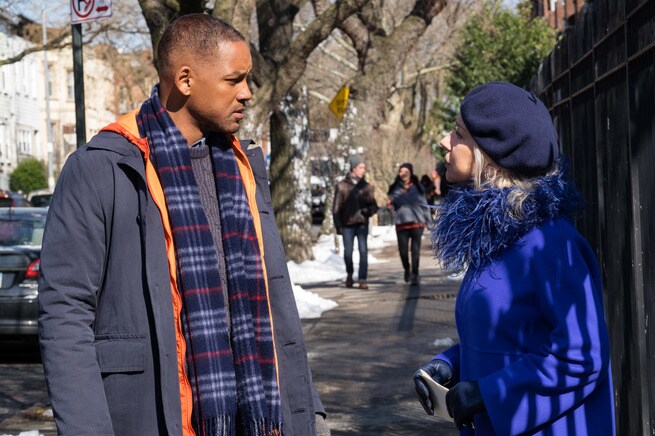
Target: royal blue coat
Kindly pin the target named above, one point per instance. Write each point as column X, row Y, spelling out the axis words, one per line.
column 533, row 334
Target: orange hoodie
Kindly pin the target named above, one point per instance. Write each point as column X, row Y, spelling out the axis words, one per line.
column 126, row 126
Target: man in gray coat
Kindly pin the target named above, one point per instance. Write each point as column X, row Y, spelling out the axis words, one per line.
column 165, row 305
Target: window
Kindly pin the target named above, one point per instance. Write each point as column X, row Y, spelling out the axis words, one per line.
column 4, row 141
column 24, row 142
column 51, row 82
column 71, row 84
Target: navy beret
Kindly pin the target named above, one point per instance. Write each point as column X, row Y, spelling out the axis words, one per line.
column 512, row 126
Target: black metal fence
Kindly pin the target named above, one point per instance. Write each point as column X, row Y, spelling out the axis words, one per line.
column 599, row 84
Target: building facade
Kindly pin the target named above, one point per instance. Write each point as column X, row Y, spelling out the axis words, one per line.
column 560, row 14
column 99, row 97
column 24, row 93
column 21, row 93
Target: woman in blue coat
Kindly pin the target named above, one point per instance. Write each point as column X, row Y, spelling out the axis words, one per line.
column 534, row 355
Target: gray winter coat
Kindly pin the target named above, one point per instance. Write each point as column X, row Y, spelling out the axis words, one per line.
column 409, row 204
column 105, row 309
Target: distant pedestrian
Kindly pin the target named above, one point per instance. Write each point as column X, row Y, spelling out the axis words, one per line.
column 352, row 207
column 441, row 184
column 407, row 198
column 534, row 354
column 428, row 186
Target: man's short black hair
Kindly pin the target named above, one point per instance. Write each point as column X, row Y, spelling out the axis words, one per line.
column 200, row 34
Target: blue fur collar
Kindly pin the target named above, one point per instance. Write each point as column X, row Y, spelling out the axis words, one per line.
column 474, row 226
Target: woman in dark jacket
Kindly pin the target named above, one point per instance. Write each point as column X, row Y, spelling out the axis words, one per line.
column 407, row 198
column 533, row 356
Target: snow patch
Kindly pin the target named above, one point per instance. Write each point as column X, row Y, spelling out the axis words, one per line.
column 445, row 342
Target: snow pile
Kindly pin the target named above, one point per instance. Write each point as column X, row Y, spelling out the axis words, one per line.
column 328, row 266
column 310, row 305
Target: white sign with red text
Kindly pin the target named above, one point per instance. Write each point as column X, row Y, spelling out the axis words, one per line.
column 89, row 10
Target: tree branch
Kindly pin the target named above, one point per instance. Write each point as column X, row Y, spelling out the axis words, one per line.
column 338, row 58
column 224, row 9
column 319, row 29
column 60, row 41
column 428, row 9
column 353, row 27
column 243, row 10
column 158, row 14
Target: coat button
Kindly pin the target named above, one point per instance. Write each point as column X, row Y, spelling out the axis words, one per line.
column 138, row 219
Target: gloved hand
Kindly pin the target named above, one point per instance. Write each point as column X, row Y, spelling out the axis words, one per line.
column 441, row 372
column 463, row 401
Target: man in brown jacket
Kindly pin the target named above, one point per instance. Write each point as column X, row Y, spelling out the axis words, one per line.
column 353, row 205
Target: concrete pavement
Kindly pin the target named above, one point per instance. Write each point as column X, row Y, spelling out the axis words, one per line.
column 364, row 352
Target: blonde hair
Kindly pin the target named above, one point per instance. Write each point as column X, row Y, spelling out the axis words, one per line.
column 487, row 174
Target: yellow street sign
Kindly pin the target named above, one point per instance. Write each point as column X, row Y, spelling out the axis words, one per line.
column 339, row 102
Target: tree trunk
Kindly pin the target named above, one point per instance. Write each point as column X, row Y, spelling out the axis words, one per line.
column 158, row 13
column 290, row 190
column 379, row 110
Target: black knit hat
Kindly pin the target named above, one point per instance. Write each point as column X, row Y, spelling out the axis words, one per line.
column 407, row 165
column 512, row 126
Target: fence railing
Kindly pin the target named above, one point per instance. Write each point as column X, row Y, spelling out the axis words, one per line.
column 599, row 83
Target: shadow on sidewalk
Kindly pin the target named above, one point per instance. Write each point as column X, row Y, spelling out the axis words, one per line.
column 363, row 353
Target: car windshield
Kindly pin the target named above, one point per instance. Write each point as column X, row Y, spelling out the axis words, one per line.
column 21, row 229
column 41, row 200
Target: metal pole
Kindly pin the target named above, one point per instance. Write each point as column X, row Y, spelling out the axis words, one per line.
column 46, row 69
column 78, row 74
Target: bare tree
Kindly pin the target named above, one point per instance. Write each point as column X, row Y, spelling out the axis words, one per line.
column 279, row 57
column 124, row 30
column 393, row 55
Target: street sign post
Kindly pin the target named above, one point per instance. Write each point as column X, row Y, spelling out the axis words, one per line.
column 83, row 11
column 89, row 10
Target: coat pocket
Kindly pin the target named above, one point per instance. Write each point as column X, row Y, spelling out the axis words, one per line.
column 120, row 353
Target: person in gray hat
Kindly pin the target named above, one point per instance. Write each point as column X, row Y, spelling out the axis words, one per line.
column 353, row 205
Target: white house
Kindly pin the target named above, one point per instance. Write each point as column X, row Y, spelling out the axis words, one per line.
column 21, row 119
column 23, row 96
column 99, row 99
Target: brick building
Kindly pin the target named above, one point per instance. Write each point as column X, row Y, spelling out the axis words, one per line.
column 559, row 13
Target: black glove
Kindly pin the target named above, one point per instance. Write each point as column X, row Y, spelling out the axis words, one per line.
column 463, row 401
column 441, row 372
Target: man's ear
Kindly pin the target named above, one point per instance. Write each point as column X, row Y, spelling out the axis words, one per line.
column 183, row 80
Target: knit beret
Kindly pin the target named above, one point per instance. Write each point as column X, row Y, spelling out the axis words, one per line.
column 512, row 126
column 355, row 160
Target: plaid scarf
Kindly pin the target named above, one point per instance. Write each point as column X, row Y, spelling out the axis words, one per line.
column 234, row 383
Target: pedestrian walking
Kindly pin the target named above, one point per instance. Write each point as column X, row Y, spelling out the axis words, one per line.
column 533, row 356
column 352, row 207
column 427, row 184
column 411, row 216
column 441, row 184
column 165, row 305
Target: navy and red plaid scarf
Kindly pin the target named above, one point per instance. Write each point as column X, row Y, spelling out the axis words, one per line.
column 234, row 383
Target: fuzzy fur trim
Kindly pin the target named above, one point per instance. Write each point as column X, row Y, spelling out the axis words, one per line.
column 474, row 226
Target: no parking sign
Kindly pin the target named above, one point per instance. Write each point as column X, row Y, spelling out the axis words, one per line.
column 89, row 10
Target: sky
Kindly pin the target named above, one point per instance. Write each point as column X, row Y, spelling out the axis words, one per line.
column 510, row 3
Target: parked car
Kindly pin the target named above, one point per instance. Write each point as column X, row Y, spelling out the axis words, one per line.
column 39, row 197
column 13, row 199
column 21, row 233
column 318, row 199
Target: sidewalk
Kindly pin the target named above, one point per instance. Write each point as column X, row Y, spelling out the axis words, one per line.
column 364, row 352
